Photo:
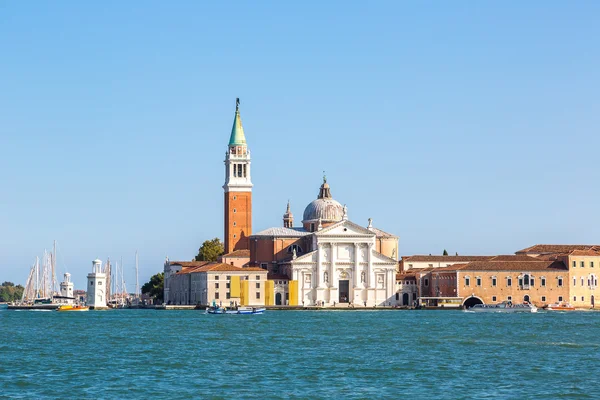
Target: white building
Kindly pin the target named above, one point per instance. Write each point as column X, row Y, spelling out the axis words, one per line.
column 329, row 260
column 96, row 287
column 66, row 290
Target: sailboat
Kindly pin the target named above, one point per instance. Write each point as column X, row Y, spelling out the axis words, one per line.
column 40, row 288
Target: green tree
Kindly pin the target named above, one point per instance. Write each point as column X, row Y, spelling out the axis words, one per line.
column 9, row 292
column 155, row 287
column 445, row 252
column 210, row 250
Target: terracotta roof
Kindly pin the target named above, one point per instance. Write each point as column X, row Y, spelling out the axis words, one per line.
column 590, row 252
column 187, row 264
column 513, row 257
column 451, row 268
column 557, row 248
column 403, row 277
column 282, row 232
column 219, row 267
column 514, row 266
column 422, row 258
column 277, row 277
column 237, row 254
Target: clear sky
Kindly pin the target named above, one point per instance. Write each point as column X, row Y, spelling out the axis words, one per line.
column 466, row 126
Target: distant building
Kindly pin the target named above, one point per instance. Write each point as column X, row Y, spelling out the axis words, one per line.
column 96, row 287
column 201, row 282
column 329, row 259
column 583, row 262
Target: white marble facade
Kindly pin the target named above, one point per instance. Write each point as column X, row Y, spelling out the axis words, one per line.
column 345, row 268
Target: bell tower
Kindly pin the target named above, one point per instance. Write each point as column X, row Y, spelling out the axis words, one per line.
column 238, row 188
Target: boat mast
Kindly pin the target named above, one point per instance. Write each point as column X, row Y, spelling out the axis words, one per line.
column 53, row 269
column 137, row 282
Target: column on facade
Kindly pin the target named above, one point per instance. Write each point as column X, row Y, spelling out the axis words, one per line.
column 320, row 264
column 356, row 264
column 332, row 265
column 370, row 275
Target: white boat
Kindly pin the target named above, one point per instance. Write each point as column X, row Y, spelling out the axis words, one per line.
column 235, row 310
column 560, row 307
column 504, row 307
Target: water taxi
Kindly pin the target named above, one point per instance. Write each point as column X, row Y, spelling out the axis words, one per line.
column 235, row 310
column 504, row 307
column 73, row 308
column 560, row 307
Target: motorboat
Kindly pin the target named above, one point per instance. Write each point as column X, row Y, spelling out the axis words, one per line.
column 71, row 307
column 504, row 307
column 560, row 306
column 235, row 310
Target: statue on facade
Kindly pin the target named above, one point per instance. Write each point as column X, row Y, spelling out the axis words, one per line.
column 325, row 277
column 362, row 277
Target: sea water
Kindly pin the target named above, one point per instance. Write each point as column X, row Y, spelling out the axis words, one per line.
column 145, row 354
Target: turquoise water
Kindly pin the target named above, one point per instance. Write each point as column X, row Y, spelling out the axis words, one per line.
column 301, row 354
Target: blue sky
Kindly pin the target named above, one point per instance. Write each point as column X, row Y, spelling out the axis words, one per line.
column 471, row 127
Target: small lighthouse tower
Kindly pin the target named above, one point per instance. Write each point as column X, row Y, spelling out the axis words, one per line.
column 66, row 289
column 96, row 287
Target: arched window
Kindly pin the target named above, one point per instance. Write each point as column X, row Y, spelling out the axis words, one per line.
column 291, row 248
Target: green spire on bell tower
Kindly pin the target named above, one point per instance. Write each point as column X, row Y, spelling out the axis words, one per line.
column 237, row 131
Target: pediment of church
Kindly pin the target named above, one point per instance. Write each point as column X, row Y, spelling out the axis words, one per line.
column 344, row 228
column 379, row 258
column 306, row 258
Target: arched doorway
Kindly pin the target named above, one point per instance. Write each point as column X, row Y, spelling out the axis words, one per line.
column 526, row 298
column 471, row 301
column 278, row 299
column 405, row 299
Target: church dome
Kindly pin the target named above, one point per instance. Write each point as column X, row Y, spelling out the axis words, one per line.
column 324, row 207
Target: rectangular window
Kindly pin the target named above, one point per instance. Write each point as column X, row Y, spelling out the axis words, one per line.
column 228, row 278
column 591, row 264
column 532, row 281
column 493, row 298
column 258, row 277
column 560, row 298
column 258, row 285
column 478, row 280
column 582, row 281
column 228, row 295
column 91, row 283
column 228, row 285
column 509, row 298
column 520, row 281
column 574, row 298
column 494, row 281
column 560, row 282
column 216, row 277
column 263, row 265
column 543, row 298
column 258, row 295
column 467, row 281
column 99, row 283
column 582, row 298
column 582, row 264
column 509, row 281
column 574, row 281
column 543, row 281
column 574, row 264
column 216, row 285
column 216, row 295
